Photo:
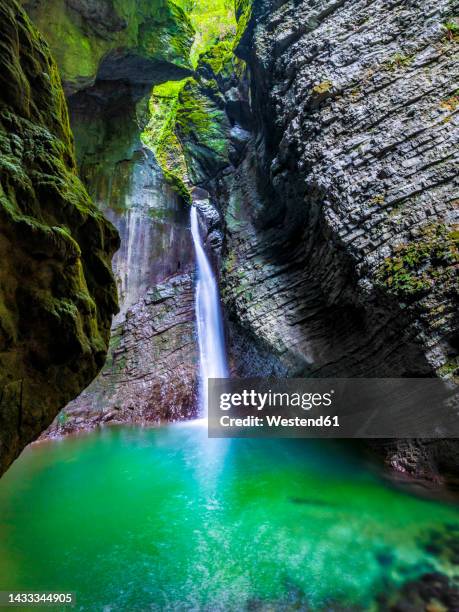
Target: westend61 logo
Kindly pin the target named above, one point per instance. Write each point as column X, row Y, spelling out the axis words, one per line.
column 258, row 401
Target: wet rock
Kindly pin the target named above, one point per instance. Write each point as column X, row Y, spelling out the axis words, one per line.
column 433, row 592
column 94, row 40
column 340, row 254
column 150, row 373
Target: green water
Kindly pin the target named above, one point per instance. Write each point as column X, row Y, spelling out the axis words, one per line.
column 166, row 519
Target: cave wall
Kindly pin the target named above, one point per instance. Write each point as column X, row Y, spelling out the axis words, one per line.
column 113, row 40
column 57, row 292
column 110, row 55
column 341, row 217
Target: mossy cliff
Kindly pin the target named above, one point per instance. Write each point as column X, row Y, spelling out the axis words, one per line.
column 188, row 133
column 110, row 54
column 341, row 246
column 113, row 39
column 57, row 292
column 188, row 129
column 326, row 140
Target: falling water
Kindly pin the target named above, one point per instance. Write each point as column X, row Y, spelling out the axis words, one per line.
column 212, row 356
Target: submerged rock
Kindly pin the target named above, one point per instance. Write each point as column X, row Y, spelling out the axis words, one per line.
column 57, row 292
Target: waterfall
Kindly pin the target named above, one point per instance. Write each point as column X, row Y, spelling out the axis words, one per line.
column 212, row 356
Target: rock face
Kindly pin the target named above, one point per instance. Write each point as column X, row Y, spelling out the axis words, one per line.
column 110, row 40
column 57, row 292
column 342, row 219
column 150, row 375
column 329, row 148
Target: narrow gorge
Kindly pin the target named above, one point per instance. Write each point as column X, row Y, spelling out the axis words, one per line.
column 318, row 140
column 196, row 188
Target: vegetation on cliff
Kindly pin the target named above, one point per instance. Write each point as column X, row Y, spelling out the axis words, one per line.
column 145, row 42
column 188, row 128
column 57, row 293
column 88, row 37
column 418, row 266
column 212, row 20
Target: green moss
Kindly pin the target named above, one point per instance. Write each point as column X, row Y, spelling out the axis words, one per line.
column 159, row 30
column 219, row 58
column 378, row 200
column 187, row 132
column 229, row 263
column 77, row 54
column 418, row 266
column 322, row 88
column 203, row 129
column 188, row 129
column 199, row 118
column 243, row 16
column 449, row 368
column 451, row 28
column 62, row 418
column 160, row 135
column 398, row 60
column 451, row 103
column 212, row 20
column 168, row 35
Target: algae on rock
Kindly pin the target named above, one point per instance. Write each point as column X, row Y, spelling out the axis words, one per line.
column 187, row 132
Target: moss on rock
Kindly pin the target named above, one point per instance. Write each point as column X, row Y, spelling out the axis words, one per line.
column 243, row 15
column 431, row 259
column 135, row 36
column 203, row 128
column 188, row 128
column 161, row 138
column 212, row 20
column 187, row 132
column 219, row 60
column 57, row 293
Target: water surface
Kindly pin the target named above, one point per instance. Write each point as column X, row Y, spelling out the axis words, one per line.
column 166, row 519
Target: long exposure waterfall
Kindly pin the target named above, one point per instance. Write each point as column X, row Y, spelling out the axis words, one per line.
column 212, row 356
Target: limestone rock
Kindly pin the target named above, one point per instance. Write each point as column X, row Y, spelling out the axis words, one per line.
column 342, row 216
column 150, row 375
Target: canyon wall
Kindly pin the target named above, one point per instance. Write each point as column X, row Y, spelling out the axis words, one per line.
column 342, row 217
column 57, row 292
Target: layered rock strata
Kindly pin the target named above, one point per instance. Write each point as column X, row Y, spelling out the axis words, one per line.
column 342, row 218
column 341, row 250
